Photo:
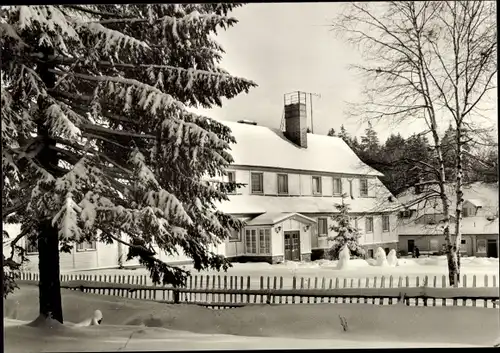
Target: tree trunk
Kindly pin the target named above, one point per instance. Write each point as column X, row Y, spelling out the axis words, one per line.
column 454, row 258
column 50, row 304
column 48, row 265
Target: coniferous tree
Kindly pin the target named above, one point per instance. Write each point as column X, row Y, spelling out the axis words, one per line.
column 370, row 142
column 331, row 132
column 343, row 134
column 97, row 141
column 347, row 234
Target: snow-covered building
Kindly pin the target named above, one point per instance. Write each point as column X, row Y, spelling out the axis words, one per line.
column 420, row 224
column 92, row 255
column 293, row 181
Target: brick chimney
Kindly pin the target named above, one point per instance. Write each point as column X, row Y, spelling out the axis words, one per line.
column 296, row 118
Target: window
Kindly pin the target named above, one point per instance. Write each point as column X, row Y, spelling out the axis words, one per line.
column 363, row 187
column 481, row 245
column 235, row 235
column 282, row 184
column 262, row 245
column 370, row 253
column 86, row 246
column 337, row 186
column 463, row 241
column 251, row 241
column 264, row 241
column 316, row 180
column 31, row 246
column 434, row 245
column 322, row 227
column 231, row 178
column 385, row 223
column 405, row 214
column 257, row 183
column 369, row 225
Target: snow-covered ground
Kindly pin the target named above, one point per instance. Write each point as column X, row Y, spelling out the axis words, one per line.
column 153, row 326
column 23, row 339
column 357, row 269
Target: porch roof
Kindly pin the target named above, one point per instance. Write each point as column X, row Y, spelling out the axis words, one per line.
column 271, row 218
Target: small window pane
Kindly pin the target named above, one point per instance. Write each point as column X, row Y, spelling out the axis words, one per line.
column 363, row 186
column 264, row 241
column 282, row 183
column 369, row 224
column 316, row 185
column 385, row 223
column 337, row 186
column 235, row 235
column 257, row 183
column 322, row 226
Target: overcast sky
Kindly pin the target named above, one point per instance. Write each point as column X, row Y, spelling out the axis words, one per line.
column 286, row 47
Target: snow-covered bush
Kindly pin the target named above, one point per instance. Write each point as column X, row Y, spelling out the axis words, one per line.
column 344, row 258
column 380, row 257
column 392, row 259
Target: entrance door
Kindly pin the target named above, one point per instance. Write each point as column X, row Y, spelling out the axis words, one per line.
column 411, row 245
column 491, row 250
column 292, row 246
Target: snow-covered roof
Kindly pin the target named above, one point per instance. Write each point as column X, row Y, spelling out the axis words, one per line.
column 271, row 218
column 482, row 194
column 475, row 202
column 260, row 146
column 470, row 226
column 255, row 204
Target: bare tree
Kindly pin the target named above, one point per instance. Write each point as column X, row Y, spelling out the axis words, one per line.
column 431, row 60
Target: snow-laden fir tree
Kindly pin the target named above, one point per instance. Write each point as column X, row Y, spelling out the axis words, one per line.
column 346, row 233
column 97, row 140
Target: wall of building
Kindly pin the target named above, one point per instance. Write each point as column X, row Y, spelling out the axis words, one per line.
column 376, row 237
column 435, row 243
column 105, row 255
column 300, row 184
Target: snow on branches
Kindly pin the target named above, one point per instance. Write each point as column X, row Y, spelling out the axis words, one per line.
column 95, row 120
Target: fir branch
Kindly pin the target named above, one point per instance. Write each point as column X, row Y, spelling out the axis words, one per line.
column 95, row 12
column 12, row 209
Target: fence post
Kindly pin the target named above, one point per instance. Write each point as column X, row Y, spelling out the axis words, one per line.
column 248, row 287
column 176, row 296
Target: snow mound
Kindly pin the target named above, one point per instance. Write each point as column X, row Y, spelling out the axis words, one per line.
column 43, row 322
column 344, row 258
column 95, row 320
column 359, row 263
column 380, row 257
column 480, row 261
column 302, row 264
column 251, row 265
column 392, row 259
column 407, row 263
column 432, row 261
